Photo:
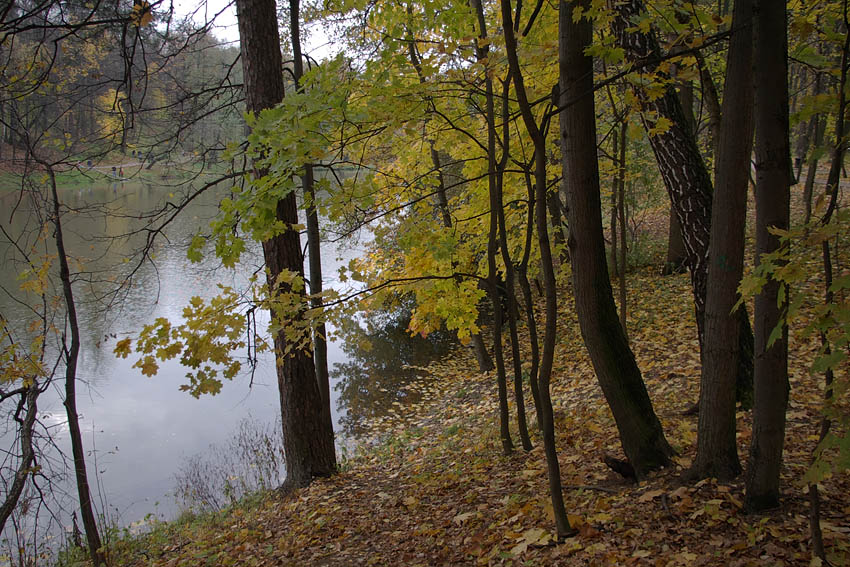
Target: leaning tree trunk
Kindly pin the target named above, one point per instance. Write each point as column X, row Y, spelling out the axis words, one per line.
column 307, row 440
column 545, row 412
column 717, row 447
column 619, row 376
column 681, row 165
column 72, row 354
column 773, row 181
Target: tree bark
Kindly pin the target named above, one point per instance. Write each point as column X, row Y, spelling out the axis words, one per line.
column 717, row 447
column 307, row 441
column 545, row 412
column 481, row 52
column 619, row 376
column 314, row 248
column 773, row 181
column 72, row 354
column 681, row 165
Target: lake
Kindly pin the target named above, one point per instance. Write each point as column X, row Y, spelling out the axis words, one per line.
column 140, row 430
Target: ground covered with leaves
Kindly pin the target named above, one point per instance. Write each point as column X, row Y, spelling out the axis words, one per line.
column 433, row 488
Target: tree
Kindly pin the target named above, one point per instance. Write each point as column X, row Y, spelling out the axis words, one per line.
column 682, row 167
column 717, row 447
column 640, row 431
column 308, row 444
column 773, row 182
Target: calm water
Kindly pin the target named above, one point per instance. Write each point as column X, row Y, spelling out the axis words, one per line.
column 138, row 430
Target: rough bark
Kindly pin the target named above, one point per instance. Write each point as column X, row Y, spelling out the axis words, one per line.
column 307, row 442
column 619, row 376
column 773, row 180
column 717, row 448
column 681, row 165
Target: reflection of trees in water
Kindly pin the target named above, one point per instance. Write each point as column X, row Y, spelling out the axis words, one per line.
column 380, row 354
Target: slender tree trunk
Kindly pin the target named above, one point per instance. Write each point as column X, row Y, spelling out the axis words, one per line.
column 773, row 181
column 307, row 441
column 618, row 374
column 485, row 361
column 314, row 248
column 72, row 354
column 717, row 447
column 545, row 413
column 621, row 212
column 676, row 254
column 832, row 184
column 28, row 405
column 819, row 122
column 510, row 273
column 481, row 53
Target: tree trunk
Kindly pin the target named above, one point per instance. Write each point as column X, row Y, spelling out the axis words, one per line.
column 307, row 441
column 481, row 52
column 621, row 212
column 485, row 362
column 717, row 448
column 96, row 552
column 320, row 345
column 681, row 165
column 819, row 122
column 545, row 412
column 618, row 374
column 773, row 181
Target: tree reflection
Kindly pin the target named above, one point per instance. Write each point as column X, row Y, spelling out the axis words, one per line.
column 382, row 360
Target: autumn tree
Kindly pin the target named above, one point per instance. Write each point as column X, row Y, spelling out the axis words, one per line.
column 616, row 369
column 308, row 438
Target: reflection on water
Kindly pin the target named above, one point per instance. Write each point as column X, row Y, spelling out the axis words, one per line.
column 137, row 430
column 382, row 360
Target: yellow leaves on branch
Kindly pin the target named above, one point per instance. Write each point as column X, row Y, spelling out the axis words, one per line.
column 206, row 342
column 142, row 13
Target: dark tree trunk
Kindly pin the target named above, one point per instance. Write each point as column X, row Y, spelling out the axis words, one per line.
column 481, row 52
column 717, row 448
column 681, row 165
column 819, row 123
column 676, row 255
column 545, row 412
column 71, row 354
column 640, row 431
column 510, row 272
column 29, row 405
column 314, row 248
column 307, row 441
column 773, row 181
column 621, row 213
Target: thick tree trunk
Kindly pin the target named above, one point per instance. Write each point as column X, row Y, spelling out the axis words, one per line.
column 681, row 165
column 618, row 374
column 621, row 213
column 717, row 448
column 307, row 440
column 773, row 181
column 72, row 354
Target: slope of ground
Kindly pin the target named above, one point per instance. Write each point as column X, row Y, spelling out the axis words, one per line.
column 434, row 489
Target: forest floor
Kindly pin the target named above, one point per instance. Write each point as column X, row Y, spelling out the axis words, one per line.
column 433, row 487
